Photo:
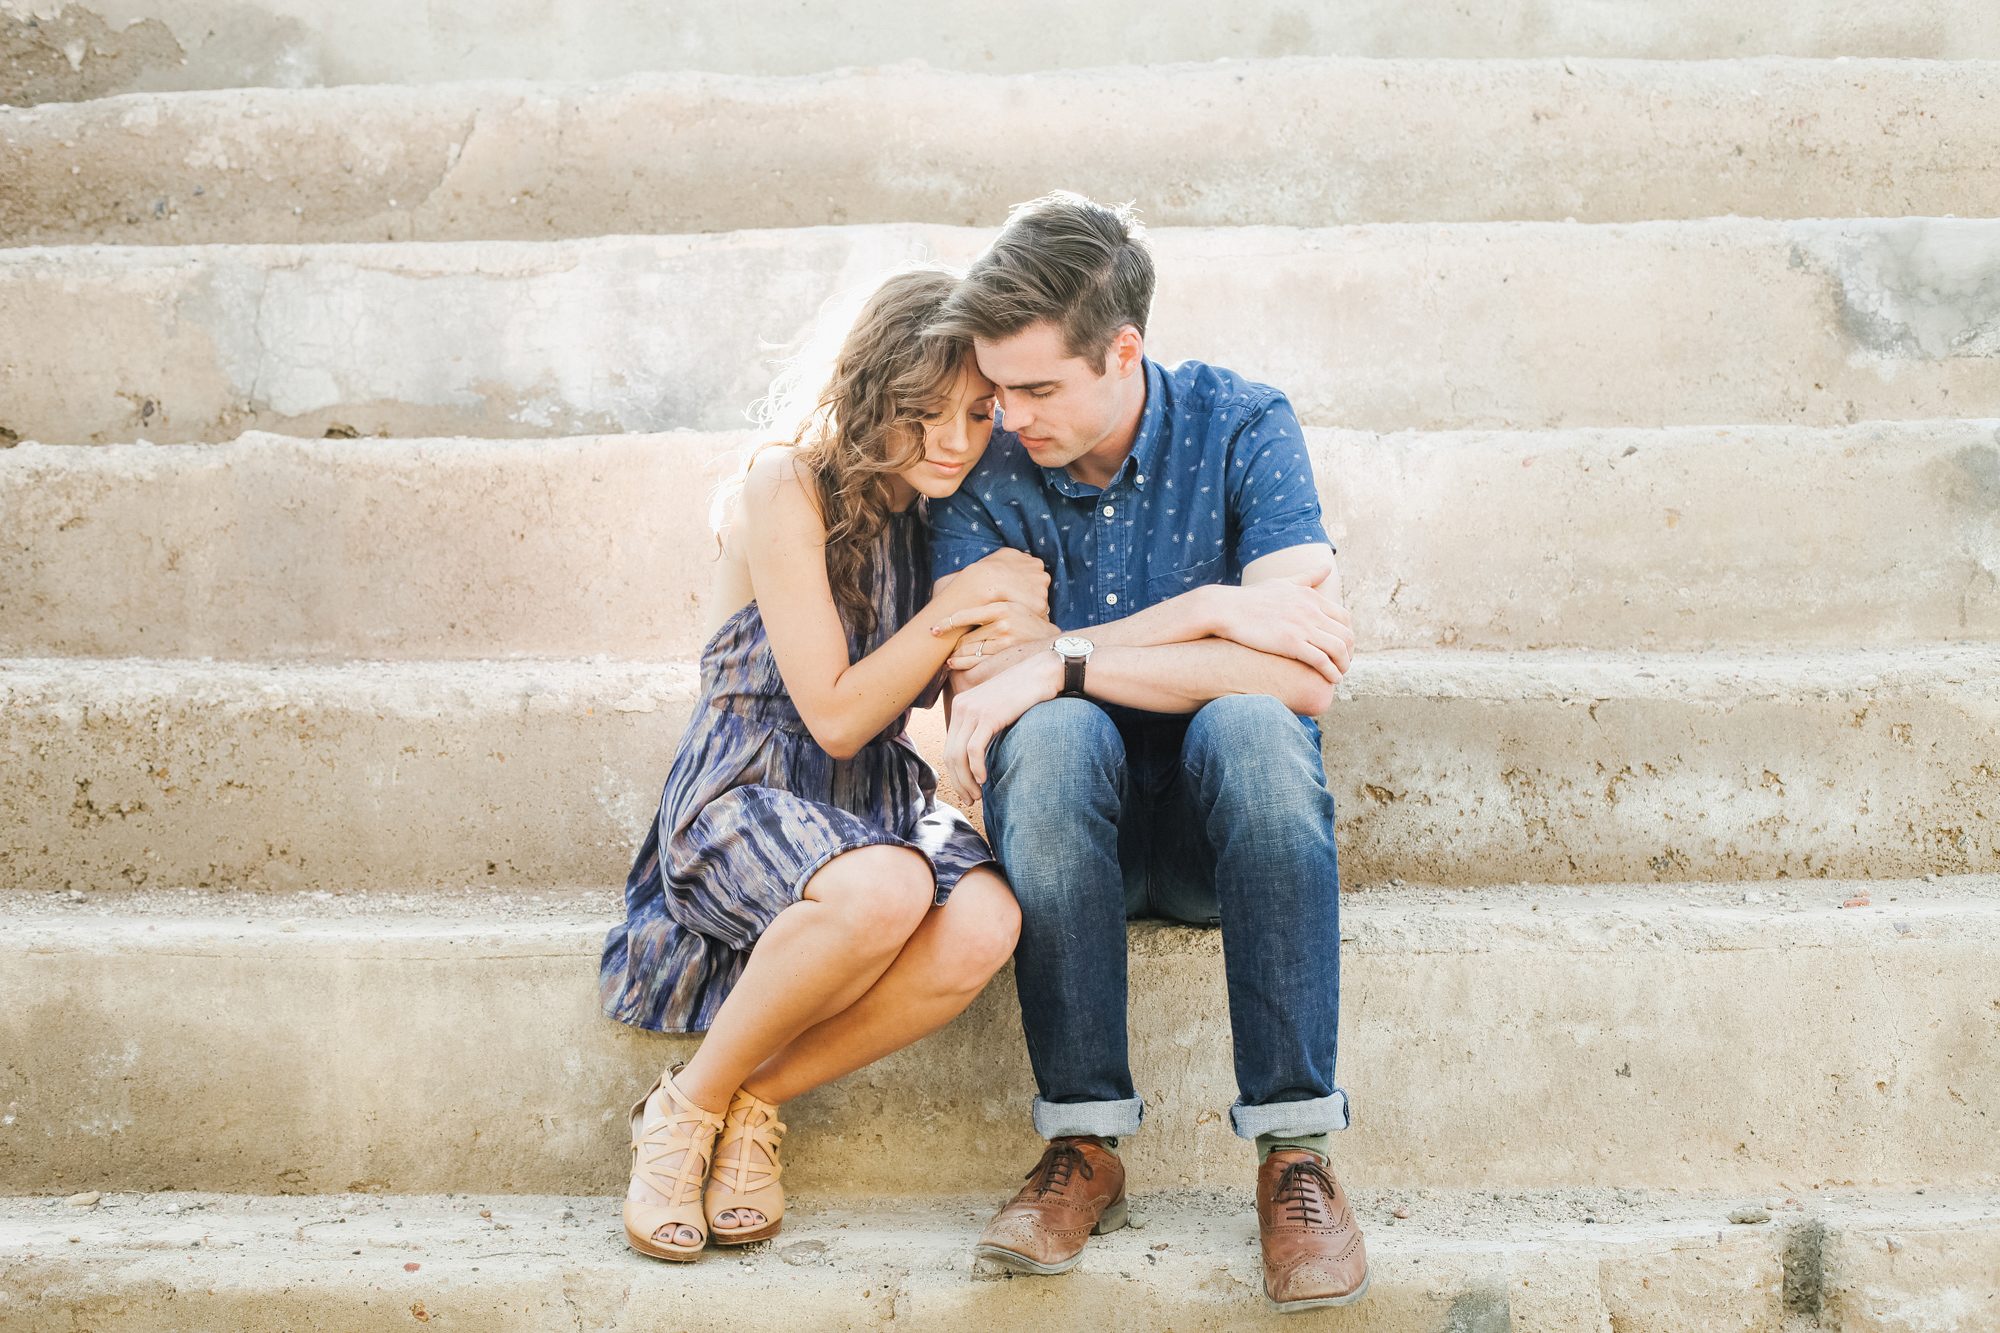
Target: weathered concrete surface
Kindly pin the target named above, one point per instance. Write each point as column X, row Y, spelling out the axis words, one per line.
column 270, row 547
column 274, row 547
column 1307, row 143
column 227, row 1263
column 286, row 776
column 1524, row 325
column 1449, row 767
column 1524, row 1036
column 1573, row 767
column 1677, row 539
column 85, row 50
column 1917, row 1271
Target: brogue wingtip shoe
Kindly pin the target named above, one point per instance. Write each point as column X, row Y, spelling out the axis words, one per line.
column 1077, row 1190
column 1314, row 1256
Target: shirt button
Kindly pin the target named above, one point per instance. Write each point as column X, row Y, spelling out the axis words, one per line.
column 1142, row 479
column 1109, row 511
column 1111, row 598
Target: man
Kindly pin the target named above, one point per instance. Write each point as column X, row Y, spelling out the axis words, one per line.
column 1152, row 752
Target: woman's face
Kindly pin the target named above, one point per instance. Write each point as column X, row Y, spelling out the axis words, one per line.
column 956, row 429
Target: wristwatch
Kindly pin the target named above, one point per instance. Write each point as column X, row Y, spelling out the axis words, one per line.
column 1075, row 651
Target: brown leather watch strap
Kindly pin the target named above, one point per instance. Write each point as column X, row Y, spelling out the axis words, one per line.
column 1073, row 677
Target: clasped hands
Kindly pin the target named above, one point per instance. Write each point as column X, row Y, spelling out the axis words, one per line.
column 1003, row 602
column 1285, row 616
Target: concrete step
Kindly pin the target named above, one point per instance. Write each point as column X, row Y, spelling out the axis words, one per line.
column 72, row 51
column 1451, row 767
column 1871, row 1262
column 1744, row 1037
column 371, row 774
column 1522, row 325
column 276, row 547
column 270, row 547
column 1303, row 142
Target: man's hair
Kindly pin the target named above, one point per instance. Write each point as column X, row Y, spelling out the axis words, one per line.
column 1083, row 267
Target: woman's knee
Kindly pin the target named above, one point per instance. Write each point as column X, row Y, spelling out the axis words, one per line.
column 979, row 927
column 881, row 894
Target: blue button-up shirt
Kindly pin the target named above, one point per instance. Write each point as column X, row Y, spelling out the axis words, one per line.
column 1217, row 478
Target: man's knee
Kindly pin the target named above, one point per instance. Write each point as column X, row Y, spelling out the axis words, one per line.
column 1059, row 750
column 1252, row 742
column 1054, row 793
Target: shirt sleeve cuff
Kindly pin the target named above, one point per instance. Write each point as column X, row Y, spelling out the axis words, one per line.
column 1260, row 542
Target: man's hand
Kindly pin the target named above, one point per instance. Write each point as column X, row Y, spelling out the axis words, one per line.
column 984, row 711
column 1288, row 617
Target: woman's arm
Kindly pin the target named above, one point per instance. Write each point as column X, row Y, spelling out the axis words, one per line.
column 845, row 705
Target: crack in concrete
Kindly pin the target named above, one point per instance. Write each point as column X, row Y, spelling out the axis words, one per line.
column 258, row 334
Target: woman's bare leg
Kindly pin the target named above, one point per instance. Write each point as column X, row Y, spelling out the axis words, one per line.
column 945, row 964
column 818, row 956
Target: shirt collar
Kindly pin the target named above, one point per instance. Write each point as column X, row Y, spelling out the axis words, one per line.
column 1146, row 448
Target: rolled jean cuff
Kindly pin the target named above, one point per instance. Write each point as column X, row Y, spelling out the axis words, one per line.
column 1054, row 1120
column 1322, row 1115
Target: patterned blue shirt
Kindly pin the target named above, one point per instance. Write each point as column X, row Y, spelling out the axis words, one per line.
column 1217, row 478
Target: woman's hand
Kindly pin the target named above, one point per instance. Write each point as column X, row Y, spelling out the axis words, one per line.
column 993, row 628
column 1005, row 575
column 984, row 711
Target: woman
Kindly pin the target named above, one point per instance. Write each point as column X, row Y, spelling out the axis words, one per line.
column 802, row 896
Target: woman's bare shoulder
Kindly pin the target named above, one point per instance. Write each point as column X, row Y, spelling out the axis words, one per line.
column 772, row 468
column 777, row 489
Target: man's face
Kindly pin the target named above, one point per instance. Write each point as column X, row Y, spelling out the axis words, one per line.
column 1061, row 406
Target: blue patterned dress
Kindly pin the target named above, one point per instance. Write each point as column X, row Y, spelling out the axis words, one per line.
column 753, row 806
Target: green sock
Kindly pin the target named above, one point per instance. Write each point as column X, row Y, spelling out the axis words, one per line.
column 1110, row 1143
column 1270, row 1143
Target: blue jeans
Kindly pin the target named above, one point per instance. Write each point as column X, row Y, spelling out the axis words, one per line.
column 1100, row 814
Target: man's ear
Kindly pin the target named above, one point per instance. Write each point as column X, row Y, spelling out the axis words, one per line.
column 1128, row 351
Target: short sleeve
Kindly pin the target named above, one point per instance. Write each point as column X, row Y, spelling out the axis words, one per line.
column 1274, row 499
column 962, row 532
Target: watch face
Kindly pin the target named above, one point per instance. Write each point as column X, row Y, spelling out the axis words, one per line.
column 1071, row 645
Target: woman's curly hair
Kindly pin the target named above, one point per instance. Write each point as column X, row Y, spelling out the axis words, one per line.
column 867, row 423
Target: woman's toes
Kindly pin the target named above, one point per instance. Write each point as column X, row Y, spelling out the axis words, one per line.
column 735, row 1218
column 679, row 1234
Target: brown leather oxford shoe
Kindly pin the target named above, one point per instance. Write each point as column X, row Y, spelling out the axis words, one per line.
column 1313, row 1255
column 1076, row 1191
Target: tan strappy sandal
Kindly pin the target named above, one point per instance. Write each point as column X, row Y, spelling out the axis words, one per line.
column 740, row 1178
column 685, row 1129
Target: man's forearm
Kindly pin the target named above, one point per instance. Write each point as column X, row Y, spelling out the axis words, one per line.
column 1181, row 677
column 1181, row 619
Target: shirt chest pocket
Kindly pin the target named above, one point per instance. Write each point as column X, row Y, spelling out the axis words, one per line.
column 1160, row 587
